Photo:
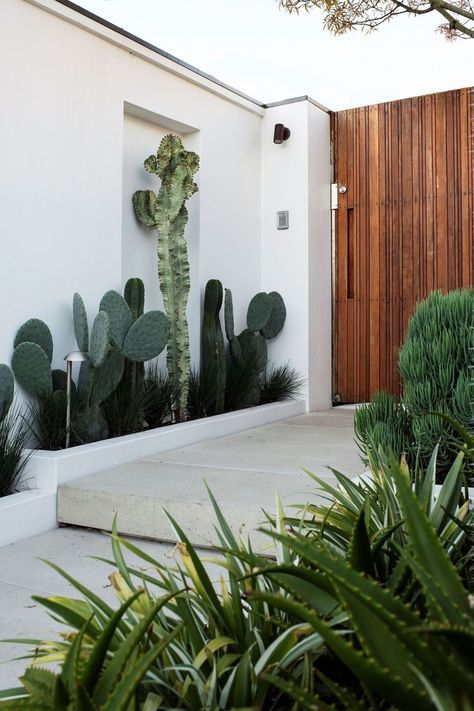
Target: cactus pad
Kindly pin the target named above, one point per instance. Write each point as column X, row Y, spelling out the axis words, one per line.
column 134, row 295
column 100, row 336
column 147, row 337
column 60, row 381
column 120, row 316
column 259, row 311
column 35, row 331
column 236, row 350
column 254, row 348
column 105, row 379
column 81, row 328
column 7, row 389
column 32, row 369
column 277, row 318
column 229, row 315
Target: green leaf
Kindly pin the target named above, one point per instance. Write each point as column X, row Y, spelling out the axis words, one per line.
column 429, row 553
column 116, row 667
column 126, row 688
column 360, row 553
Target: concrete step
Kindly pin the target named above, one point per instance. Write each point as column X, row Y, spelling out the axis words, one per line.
column 244, row 471
column 139, row 492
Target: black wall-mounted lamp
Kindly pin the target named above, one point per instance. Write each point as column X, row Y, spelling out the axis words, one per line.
column 281, row 133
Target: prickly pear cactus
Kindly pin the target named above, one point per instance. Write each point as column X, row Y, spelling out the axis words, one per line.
column 7, row 390
column 81, row 327
column 259, row 311
column 134, row 373
column 134, row 295
column 35, row 331
column 119, row 315
column 32, row 369
column 167, row 214
column 100, row 339
column 277, row 319
column 213, row 360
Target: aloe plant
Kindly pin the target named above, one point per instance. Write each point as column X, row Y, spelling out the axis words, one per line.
column 104, row 675
column 319, row 628
column 400, row 656
column 167, row 213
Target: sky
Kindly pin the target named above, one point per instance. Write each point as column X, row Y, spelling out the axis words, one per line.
column 270, row 55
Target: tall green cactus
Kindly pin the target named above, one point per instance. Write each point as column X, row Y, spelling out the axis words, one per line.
column 167, row 214
column 134, row 295
column 213, row 360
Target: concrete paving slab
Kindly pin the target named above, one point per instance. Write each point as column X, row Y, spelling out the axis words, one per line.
column 139, row 493
column 343, row 419
column 244, row 471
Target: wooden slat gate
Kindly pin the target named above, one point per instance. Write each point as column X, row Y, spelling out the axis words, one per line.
column 404, row 227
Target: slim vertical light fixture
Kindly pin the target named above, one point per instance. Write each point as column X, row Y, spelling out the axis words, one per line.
column 73, row 357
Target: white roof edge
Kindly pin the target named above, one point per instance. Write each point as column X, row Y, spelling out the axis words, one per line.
column 139, row 48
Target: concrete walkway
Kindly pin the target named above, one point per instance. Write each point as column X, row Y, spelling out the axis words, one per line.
column 22, row 575
column 243, row 471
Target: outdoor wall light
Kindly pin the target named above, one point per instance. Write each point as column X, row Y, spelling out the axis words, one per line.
column 281, row 133
column 74, row 357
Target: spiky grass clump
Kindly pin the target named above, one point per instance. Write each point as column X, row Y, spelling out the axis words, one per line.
column 242, row 386
column 158, row 396
column 14, row 436
column 202, row 394
column 279, row 382
column 124, row 414
column 46, row 421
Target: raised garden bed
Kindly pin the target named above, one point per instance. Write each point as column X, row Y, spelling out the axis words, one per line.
column 33, row 510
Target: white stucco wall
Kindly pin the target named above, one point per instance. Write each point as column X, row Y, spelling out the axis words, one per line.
column 296, row 177
column 64, row 131
column 82, row 107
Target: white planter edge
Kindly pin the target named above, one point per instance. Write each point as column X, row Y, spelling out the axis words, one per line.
column 34, row 510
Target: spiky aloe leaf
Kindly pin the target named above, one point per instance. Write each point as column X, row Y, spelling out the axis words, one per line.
column 81, row 327
column 120, row 316
column 448, row 593
column 117, row 666
column 35, row 331
column 360, row 552
column 93, row 666
column 306, row 701
column 32, row 369
column 381, row 679
column 100, row 339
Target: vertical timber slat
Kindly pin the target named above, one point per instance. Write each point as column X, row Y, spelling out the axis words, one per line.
column 404, row 227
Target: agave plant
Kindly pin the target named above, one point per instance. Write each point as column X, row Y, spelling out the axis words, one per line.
column 372, row 501
column 391, row 654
